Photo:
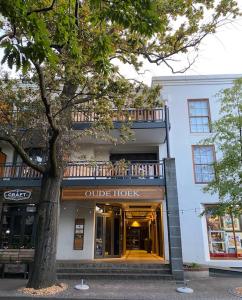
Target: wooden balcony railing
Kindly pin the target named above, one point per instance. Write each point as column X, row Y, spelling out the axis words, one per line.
column 130, row 114
column 91, row 170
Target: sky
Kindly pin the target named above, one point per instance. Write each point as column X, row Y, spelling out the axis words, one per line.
column 219, row 53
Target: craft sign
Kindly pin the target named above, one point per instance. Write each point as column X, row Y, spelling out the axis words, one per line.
column 17, row 195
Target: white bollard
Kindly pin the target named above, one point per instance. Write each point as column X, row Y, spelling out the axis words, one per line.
column 185, row 290
column 82, row 286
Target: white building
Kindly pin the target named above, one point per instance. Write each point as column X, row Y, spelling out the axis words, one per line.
column 192, row 105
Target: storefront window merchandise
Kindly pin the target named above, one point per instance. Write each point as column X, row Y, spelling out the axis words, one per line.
column 223, row 241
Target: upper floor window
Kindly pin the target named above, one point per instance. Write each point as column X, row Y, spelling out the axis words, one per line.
column 199, row 115
column 203, row 159
column 38, row 155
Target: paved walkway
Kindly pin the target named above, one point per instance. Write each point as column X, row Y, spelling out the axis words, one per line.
column 204, row 289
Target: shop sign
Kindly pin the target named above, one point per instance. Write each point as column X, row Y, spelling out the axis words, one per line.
column 17, row 195
column 114, row 193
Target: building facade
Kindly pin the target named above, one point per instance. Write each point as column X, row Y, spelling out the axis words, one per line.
column 113, row 199
column 192, row 106
column 124, row 199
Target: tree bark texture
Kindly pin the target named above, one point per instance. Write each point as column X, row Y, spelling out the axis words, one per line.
column 43, row 271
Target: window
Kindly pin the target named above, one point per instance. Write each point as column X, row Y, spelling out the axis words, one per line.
column 221, row 237
column 199, row 116
column 203, row 159
column 38, row 155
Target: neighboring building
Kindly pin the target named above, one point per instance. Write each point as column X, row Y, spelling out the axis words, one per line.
column 123, row 198
column 192, row 106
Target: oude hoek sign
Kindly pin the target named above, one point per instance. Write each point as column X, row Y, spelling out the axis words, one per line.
column 17, row 195
column 112, row 193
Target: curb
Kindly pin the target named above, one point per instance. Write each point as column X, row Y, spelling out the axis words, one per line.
column 56, row 298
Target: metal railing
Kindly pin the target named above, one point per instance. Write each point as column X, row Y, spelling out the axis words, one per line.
column 84, row 116
column 129, row 114
column 91, row 170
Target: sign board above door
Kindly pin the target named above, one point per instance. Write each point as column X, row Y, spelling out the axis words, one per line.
column 17, row 195
column 114, row 193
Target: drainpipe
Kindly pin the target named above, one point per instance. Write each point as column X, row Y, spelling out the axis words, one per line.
column 167, row 123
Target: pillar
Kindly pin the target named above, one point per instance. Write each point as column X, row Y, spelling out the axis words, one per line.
column 173, row 220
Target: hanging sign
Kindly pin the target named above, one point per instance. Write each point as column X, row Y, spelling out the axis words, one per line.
column 17, row 195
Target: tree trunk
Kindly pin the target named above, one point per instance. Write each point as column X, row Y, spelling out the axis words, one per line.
column 43, row 273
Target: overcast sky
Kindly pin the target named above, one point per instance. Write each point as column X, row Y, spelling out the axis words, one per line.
column 220, row 53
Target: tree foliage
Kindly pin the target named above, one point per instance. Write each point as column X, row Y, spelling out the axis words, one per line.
column 227, row 138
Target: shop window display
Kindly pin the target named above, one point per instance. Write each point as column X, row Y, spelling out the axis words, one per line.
column 221, row 236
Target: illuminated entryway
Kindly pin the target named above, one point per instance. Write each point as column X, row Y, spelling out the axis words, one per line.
column 108, row 231
column 130, row 230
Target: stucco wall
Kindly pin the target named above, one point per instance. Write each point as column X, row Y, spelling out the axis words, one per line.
column 69, row 211
column 90, row 152
column 6, row 149
column 191, row 197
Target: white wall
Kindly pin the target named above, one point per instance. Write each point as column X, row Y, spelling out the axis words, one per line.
column 69, row 211
column 177, row 90
column 8, row 150
column 91, row 152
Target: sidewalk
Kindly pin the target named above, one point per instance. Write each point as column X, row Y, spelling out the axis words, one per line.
column 204, row 289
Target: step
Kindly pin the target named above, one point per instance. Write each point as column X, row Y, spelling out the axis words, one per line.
column 225, row 272
column 115, row 270
column 115, row 276
column 112, row 265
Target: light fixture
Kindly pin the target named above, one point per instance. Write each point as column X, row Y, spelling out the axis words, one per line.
column 135, row 224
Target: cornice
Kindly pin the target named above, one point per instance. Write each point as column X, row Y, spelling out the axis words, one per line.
column 195, row 79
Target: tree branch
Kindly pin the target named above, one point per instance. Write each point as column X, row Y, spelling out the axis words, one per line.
column 54, row 130
column 44, row 9
column 76, row 12
column 25, row 157
column 44, row 98
column 9, row 34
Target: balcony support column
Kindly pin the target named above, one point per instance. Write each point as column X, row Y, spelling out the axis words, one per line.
column 173, row 220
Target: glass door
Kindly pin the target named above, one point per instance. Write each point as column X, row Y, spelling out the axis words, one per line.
column 108, row 232
column 99, row 250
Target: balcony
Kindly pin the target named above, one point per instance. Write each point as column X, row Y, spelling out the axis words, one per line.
column 139, row 118
column 149, row 124
column 129, row 114
column 84, row 116
column 90, row 173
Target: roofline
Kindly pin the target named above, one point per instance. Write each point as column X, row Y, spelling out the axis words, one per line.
column 195, row 79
